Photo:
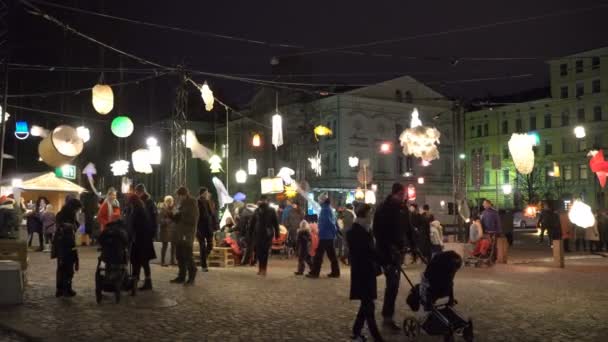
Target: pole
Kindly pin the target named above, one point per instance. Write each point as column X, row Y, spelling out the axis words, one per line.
column 3, row 126
column 227, row 152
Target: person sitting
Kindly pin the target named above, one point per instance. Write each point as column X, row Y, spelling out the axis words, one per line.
column 303, row 243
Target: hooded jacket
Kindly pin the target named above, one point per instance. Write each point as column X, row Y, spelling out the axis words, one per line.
column 327, row 223
column 265, row 224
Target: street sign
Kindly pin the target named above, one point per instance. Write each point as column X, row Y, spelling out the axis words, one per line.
column 66, row 171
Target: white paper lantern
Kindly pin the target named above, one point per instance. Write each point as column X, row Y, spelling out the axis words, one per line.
column 215, row 164
column 581, row 215
column 579, row 132
column 151, row 141
column 285, row 174
column 420, row 141
column 120, row 167
column 370, row 197
column 277, row 130
column 103, row 98
column 353, row 161
column 272, row 185
column 241, row 176
column 252, row 167
column 37, row 131
column 207, row 96
column 315, row 164
column 521, row 148
column 155, row 154
column 83, row 133
column 141, row 161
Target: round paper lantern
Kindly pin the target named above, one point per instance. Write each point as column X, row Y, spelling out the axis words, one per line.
column 122, row 126
column 141, row 161
column 241, row 176
column 83, row 133
column 581, row 215
column 207, row 96
column 103, row 99
column 520, row 146
column 256, row 141
column 61, row 146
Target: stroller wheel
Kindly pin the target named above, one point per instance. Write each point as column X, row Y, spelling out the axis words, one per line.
column 411, row 328
column 98, row 286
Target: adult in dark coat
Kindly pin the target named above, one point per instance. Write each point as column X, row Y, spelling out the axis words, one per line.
column 207, row 224
column 142, row 237
column 422, row 232
column 389, row 223
column 150, row 207
column 265, row 225
column 186, row 220
column 64, row 247
column 364, row 268
column 247, row 236
column 9, row 224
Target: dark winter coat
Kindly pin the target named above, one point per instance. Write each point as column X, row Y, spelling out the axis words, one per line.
column 265, row 225
column 363, row 264
column 151, row 212
column 422, row 233
column 64, row 240
column 142, row 234
column 552, row 223
column 33, row 222
column 207, row 219
column 389, row 223
column 490, row 222
column 303, row 240
column 186, row 219
column 9, row 222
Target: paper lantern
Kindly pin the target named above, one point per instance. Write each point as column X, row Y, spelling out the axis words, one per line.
column 521, row 148
column 285, row 174
column 122, row 126
column 599, row 166
column 420, row 180
column 241, row 176
column 277, row 130
column 222, row 194
column 83, row 133
column 207, row 96
column 22, row 130
column 60, row 147
column 579, row 132
column 120, row 168
column 353, row 161
column 359, row 194
column 386, row 148
column 420, row 141
column 240, row 197
column 103, row 98
column 291, row 191
column 507, row 189
column 6, row 115
column 256, row 141
column 141, row 161
column 37, row 131
column 272, row 185
column 252, row 167
column 315, row 164
column 321, row 131
column 215, row 164
column 370, row 197
column 581, row 215
column 196, row 148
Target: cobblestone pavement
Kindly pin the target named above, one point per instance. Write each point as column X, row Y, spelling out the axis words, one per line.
column 506, row 302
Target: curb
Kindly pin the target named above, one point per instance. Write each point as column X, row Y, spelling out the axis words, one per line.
column 574, row 257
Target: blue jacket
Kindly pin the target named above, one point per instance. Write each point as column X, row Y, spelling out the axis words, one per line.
column 490, row 221
column 327, row 223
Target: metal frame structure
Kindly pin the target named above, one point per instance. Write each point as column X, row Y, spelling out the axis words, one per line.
column 178, row 146
column 4, row 59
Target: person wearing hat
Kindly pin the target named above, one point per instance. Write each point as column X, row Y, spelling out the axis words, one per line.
column 265, row 225
column 150, row 206
column 328, row 230
column 186, row 221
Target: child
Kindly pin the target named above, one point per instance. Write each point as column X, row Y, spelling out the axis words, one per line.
column 64, row 247
column 436, row 238
column 303, row 242
column 48, row 226
column 364, row 269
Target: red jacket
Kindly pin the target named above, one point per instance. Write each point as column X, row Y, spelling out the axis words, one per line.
column 103, row 217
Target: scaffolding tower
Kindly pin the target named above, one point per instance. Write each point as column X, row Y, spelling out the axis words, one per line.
column 178, row 133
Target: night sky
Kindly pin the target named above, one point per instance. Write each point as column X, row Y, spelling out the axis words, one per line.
column 310, row 24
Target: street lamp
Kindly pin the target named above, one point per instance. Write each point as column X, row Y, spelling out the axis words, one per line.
column 462, row 156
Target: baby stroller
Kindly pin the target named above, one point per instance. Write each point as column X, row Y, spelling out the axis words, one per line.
column 484, row 252
column 113, row 273
column 437, row 284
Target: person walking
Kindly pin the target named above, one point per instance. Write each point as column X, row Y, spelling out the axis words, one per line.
column 247, row 233
column 303, row 242
column 544, row 215
column 207, row 224
column 364, row 270
column 348, row 218
column 167, row 230
column 186, row 220
column 64, row 248
column 142, row 236
column 48, row 226
column 602, row 224
column 34, row 222
column 109, row 210
column 421, row 232
column 592, row 236
column 328, row 230
column 567, row 229
column 294, row 216
column 506, row 224
column 389, row 223
column 265, row 225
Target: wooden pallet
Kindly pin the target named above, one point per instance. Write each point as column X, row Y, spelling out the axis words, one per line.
column 14, row 250
column 220, row 257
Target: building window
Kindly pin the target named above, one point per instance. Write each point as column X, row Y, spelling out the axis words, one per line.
column 565, row 148
column 563, row 69
column 580, row 115
column 505, row 127
column 505, row 176
column 567, row 171
column 548, row 120
column 563, row 92
column 398, row 95
column 505, row 152
column 579, row 66
column 486, row 130
column 580, row 89
column 597, row 113
column 518, row 125
column 597, row 142
column 565, row 118
column 487, row 157
column 478, row 130
column 486, row 177
column 532, row 122
column 581, row 145
column 334, row 163
column 595, row 62
column 548, row 148
column 596, row 86
column 582, row 171
column 472, row 131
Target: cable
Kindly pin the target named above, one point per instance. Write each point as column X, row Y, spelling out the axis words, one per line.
column 78, row 117
column 77, row 91
column 450, row 31
column 51, row 68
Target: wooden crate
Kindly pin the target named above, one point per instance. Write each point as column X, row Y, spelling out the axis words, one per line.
column 221, row 257
column 14, row 250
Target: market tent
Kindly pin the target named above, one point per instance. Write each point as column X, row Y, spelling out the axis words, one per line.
column 35, row 185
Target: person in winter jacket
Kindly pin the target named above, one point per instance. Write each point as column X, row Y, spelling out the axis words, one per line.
column 390, row 223
column 207, row 224
column 48, row 226
column 167, row 230
column 490, row 221
column 34, row 222
column 348, row 218
column 436, row 238
column 364, row 269
column 292, row 221
column 109, row 210
column 150, row 208
column 328, row 230
column 186, row 220
column 592, row 236
column 566, row 227
column 602, row 224
column 303, row 242
column 246, row 236
column 142, row 235
column 64, row 247
column 421, row 233
column 265, row 225
column 9, row 221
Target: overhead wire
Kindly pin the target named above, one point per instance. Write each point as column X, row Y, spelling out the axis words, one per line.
column 77, row 117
